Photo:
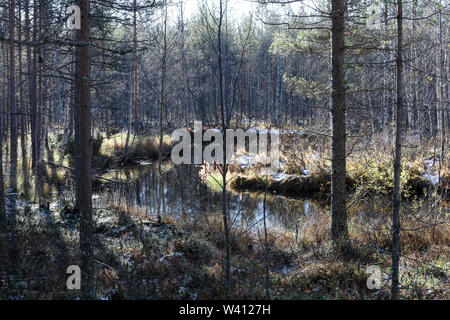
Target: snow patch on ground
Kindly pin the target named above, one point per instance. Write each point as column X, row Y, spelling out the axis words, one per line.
column 434, row 179
column 429, row 173
column 280, row 176
column 245, row 160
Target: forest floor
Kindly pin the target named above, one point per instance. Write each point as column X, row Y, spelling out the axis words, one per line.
column 138, row 258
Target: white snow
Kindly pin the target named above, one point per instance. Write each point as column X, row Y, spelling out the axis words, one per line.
column 245, row 160
column 429, row 174
column 434, row 179
column 281, row 176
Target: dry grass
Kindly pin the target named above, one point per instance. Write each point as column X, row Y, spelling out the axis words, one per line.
column 140, row 147
column 181, row 258
column 424, row 224
column 369, row 166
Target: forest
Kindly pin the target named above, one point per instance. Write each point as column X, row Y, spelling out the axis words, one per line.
column 224, row 149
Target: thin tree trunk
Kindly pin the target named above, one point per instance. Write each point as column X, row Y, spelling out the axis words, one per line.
column 3, row 226
column 2, row 198
column 33, row 92
column 130, row 115
column 23, row 127
column 12, row 100
column 266, row 243
column 83, row 113
column 161, row 107
column 441, row 92
column 66, row 129
column 418, row 116
column 339, row 231
column 227, row 263
column 397, row 158
column 135, row 71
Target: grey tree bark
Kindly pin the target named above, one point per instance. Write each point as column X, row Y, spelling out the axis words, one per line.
column 227, row 264
column 3, row 228
column 441, row 91
column 2, row 190
column 84, row 183
column 397, row 158
column 161, row 110
column 32, row 70
column 12, row 100
column 339, row 231
column 23, row 127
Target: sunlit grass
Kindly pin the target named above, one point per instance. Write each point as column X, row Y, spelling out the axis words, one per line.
column 145, row 147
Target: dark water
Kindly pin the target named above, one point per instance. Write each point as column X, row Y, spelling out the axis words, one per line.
column 187, row 196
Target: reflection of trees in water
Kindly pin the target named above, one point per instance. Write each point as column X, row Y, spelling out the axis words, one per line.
column 282, row 213
column 186, row 196
column 183, row 191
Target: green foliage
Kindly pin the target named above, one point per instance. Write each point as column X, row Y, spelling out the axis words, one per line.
column 375, row 172
column 307, row 41
column 303, row 87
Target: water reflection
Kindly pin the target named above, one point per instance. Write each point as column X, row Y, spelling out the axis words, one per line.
column 186, row 195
